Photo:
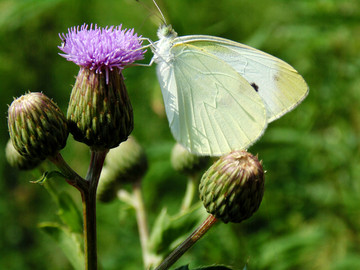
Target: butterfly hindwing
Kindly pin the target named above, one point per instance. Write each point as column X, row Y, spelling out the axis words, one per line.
column 280, row 86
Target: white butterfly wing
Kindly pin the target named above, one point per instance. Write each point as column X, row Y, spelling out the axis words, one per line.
column 280, row 86
column 211, row 109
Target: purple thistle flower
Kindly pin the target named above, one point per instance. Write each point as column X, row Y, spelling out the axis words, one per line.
column 101, row 49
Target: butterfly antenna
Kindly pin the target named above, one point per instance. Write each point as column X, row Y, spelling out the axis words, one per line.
column 162, row 15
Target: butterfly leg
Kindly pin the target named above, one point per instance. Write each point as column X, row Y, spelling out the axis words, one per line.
column 150, row 45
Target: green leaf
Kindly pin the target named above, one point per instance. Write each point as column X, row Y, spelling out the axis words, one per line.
column 69, row 213
column 46, row 176
column 69, row 242
column 156, row 238
column 212, row 267
column 170, row 231
column 184, row 267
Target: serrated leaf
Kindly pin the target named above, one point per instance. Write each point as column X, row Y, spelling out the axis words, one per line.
column 69, row 242
column 46, row 176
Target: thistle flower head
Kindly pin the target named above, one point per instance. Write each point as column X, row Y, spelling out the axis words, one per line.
column 18, row 161
column 37, row 127
column 101, row 49
column 100, row 113
column 233, row 187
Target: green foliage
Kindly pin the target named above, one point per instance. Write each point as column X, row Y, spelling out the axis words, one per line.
column 309, row 218
column 46, row 176
column 217, row 267
column 69, row 213
column 67, row 235
column 69, row 242
column 67, row 209
column 169, row 231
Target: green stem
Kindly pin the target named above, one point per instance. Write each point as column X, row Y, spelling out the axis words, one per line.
column 189, row 193
column 89, row 208
column 188, row 243
column 141, row 221
column 126, row 197
column 71, row 176
column 89, row 213
column 96, row 165
column 87, row 188
column 136, row 201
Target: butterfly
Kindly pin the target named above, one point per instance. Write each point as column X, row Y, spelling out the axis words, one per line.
column 220, row 95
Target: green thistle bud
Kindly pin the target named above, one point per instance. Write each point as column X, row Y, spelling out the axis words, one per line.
column 185, row 162
column 124, row 164
column 233, row 187
column 37, row 127
column 18, row 161
column 100, row 112
column 128, row 161
column 107, row 188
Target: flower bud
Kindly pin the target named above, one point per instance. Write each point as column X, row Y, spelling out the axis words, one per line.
column 185, row 162
column 18, row 161
column 107, row 188
column 128, row 161
column 37, row 126
column 100, row 113
column 124, row 164
column 233, row 187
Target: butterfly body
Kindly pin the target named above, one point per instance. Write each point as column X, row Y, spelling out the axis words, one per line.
column 219, row 95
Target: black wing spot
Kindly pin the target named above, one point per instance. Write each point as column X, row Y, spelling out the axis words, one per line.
column 255, row 86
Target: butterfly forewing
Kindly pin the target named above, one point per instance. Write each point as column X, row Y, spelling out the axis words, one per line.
column 280, row 86
column 211, row 108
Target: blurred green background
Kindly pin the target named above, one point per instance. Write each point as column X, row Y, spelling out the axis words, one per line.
column 310, row 215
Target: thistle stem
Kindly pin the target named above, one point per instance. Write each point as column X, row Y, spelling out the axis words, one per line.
column 135, row 199
column 138, row 204
column 95, row 167
column 188, row 243
column 189, row 193
column 89, row 213
column 89, row 208
column 71, row 176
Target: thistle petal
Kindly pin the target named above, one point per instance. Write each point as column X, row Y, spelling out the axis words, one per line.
column 101, row 49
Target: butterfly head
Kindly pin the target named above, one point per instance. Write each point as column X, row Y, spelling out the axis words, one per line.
column 166, row 31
